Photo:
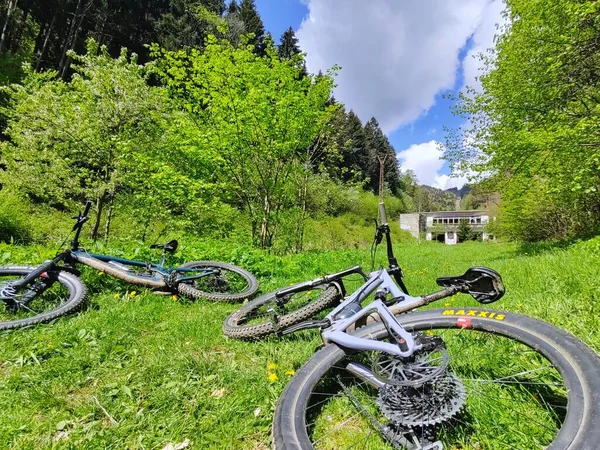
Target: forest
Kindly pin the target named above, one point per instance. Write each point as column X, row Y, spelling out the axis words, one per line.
column 188, row 115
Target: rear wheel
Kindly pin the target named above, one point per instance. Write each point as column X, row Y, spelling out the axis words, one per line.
column 255, row 319
column 226, row 283
column 51, row 295
column 511, row 382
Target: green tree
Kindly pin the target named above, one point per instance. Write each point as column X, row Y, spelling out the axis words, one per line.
column 378, row 145
column 259, row 117
column 253, row 24
column 464, row 231
column 85, row 139
column 536, row 125
column 289, row 44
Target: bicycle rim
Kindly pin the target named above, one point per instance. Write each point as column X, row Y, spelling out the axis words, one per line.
column 509, row 396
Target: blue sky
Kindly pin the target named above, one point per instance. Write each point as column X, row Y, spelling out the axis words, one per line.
column 398, row 59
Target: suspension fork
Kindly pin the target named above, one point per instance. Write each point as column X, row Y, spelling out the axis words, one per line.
column 46, row 266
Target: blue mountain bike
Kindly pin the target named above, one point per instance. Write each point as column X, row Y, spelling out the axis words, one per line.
column 36, row 294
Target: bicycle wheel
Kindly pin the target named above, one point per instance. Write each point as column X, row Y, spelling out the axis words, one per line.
column 231, row 283
column 54, row 294
column 254, row 319
column 511, row 382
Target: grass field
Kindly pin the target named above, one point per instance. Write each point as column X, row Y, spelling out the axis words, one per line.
column 137, row 370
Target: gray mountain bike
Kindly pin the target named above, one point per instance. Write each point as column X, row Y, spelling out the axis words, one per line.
column 453, row 378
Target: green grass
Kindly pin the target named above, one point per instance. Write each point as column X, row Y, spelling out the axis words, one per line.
column 141, row 370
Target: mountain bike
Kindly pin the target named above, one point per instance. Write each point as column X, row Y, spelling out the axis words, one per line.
column 36, row 294
column 452, row 378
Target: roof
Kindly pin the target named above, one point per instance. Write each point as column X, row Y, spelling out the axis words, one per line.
column 464, row 213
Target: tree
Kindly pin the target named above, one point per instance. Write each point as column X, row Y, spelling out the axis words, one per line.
column 378, row 145
column 233, row 7
column 90, row 138
column 464, row 231
column 253, row 24
column 535, row 126
column 289, row 45
column 259, row 116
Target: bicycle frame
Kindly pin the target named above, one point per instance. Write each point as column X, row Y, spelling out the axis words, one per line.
column 381, row 281
column 160, row 271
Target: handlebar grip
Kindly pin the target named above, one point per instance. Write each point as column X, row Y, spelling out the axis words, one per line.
column 382, row 213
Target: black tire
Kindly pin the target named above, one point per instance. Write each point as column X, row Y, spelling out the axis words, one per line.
column 64, row 296
column 252, row 321
column 574, row 427
column 232, row 284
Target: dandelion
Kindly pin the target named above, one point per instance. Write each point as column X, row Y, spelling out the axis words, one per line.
column 116, row 295
column 447, row 304
column 100, row 274
column 132, row 294
column 174, row 298
column 272, row 366
column 273, row 377
column 290, row 373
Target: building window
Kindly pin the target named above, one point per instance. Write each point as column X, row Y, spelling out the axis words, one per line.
column 479, row 220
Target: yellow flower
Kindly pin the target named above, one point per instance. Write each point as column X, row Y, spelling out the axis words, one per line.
column 272, row 366
column 132, row 294
column 272, row 377
column 290, row 372
column 100, row 274
column 520, row 305
column 174, row 298
column 447, row 304
column 116, row 295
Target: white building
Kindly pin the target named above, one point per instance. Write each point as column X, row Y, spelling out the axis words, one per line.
column 443, row 226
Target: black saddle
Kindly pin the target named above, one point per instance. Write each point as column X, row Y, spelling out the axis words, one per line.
column 170, row 247
column 483, row 283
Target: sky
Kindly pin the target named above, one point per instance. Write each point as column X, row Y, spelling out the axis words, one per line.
column 398, row 58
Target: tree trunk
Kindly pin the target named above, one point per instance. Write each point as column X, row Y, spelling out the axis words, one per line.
column 11, row 5
column 109, row 216
column 100, row 201
column 46, row 38
column 74, row 38
column 70, row 33
column 265, row 238
column 16, row 42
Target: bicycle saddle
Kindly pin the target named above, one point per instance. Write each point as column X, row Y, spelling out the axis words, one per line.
column 170, row 246
column 484, row 284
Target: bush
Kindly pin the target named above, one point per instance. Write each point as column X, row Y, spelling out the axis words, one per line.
column 14, row 224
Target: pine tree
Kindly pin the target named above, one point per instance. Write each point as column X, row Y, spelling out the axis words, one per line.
column 233, row 7
column 289, row 45
column 253, row 24
column 378, row 145
column 356, row 157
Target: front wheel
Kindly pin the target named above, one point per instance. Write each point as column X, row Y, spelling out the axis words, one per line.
column 51, row 295
column 216, row 281
column 255, row 319
column 511, row 382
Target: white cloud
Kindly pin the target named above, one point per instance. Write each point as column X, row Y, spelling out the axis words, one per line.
column 395, row 55
column 425, row 160
column 491, row 24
